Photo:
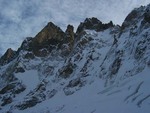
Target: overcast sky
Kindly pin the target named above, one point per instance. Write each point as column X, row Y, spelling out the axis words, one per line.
column 24, row 18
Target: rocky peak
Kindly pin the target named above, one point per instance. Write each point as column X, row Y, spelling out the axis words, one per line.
column 70, row 33
column 135, row 16
column 69, row 29
column 25, row 44
column 147, row 14
column 50, row 31
column 9, row 53
column 93, row 24
column 8, row 56
column 69, row 41
column 49, row 36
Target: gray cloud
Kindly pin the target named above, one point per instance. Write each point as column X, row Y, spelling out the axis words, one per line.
column 23, row 18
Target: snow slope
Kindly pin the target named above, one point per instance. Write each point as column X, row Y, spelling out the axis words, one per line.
column 129, row 96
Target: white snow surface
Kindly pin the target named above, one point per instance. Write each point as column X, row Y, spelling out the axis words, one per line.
column 30, row 79
column 95, row 98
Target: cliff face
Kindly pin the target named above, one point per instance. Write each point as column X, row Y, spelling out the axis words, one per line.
column 8, row 56
column 87, row 71
column 49, row 35
column 45, row 40
column 93, row 24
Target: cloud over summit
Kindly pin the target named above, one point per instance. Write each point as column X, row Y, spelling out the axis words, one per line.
column 23, row 18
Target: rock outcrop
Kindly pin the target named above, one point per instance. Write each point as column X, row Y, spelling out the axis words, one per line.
column 8, row 56
column 49, row 38
column 93, row 24
column 46, row 39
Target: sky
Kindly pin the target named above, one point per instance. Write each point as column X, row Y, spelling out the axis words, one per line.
column 25, row 18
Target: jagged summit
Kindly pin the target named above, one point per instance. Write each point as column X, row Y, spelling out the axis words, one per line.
column 93, row 24
column 137, row 15
column 147, row 14
column 69, row 29
column 8, row 56
column 50, row 31
column 51, row 36
column 48, row 38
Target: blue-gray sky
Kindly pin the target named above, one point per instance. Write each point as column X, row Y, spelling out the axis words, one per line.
column 24, row 18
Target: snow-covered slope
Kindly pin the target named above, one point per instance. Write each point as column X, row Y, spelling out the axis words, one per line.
column 100, row 68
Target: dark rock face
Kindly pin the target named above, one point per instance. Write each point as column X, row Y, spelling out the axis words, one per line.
column 66, row 71
column 69, row 42
column 6, row 100
column 15, row 88
column 46, row 40
column 75, row 82
column 130, row 19
column 147, row 15
column 69, row 29
column 29, row 56
column 19, row 70
column 49, row 32
column 70, row 34
column 49, row 36
column 93, row 24
column 140, row 50
column 10, row 91
column 7, row 88
column 115, row 66
column 29, row 103
column 8, row 57
column 142, row 13
column 25, row 44
column 132, row 15
column 51, row 93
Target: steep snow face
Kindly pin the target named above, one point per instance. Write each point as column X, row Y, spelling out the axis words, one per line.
column 43, row 78
column 29, row 79
column 105, row 71
column 95, row 98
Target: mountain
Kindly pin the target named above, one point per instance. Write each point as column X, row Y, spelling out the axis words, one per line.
column 100, row 68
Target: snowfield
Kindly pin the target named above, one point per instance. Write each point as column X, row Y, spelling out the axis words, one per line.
column 129, row 96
